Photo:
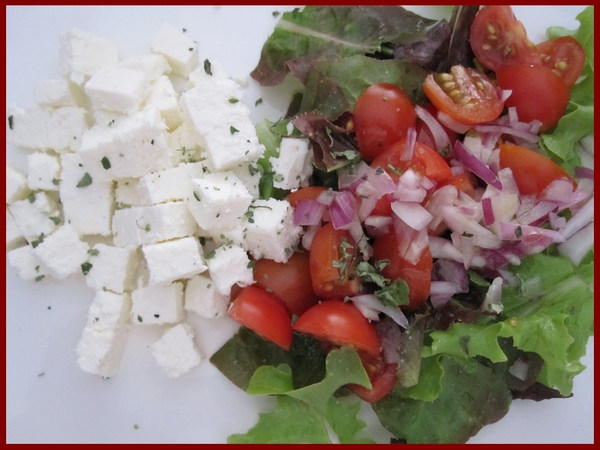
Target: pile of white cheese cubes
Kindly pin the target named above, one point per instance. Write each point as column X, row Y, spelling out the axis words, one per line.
column 142, row 175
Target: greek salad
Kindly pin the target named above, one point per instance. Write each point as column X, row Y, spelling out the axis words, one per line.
column 414, row 252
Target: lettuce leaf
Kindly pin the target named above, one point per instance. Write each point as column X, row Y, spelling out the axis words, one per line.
column 301, row 415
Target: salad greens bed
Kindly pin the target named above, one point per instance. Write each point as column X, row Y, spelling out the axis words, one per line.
column 458, row 364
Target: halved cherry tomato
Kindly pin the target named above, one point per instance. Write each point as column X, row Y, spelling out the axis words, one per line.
column 532, row 171
column 382, row 115
column 417, row 276
column 425, row 161
column 383, row 377
column 564, row 56
column 498, row 39
column 340, row 323
column 537, row 93
column 332, row 263
column 306, row 193
column 465, row 94
column 289, row 281
column 264, row 314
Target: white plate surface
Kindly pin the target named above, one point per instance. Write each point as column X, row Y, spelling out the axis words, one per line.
column 49, row 399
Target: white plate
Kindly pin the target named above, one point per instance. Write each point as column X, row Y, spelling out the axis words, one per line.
column 49, row 399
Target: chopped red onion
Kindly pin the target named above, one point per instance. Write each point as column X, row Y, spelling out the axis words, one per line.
column 492, row 302
column 326, row 197
column 578, row 245
column 377, row 225
column 475, row 165
column 309, row 234
column 370, row 301
column 411, row 243
column 488, row 212
column 381, row 180
column 466, row 226
column 535, row 213
column 368, row 197
column 519, row 369
column 452, row 124
column 442, row 142
column 558, row 191
column 409, row 146
column 342, row 210
column 511, row 231
column 584, row 172
column 350, row 177
column 444, row 196
column 441, row 292
column 412, row 213
column 580, row 219
column 308, row 212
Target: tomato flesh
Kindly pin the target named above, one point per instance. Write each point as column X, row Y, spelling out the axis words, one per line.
column 499, row 40
column 417, row 276
column 382, row 115
column 306, row 193
column 564, row 56
column 537, row 94
column 465, row 94
column 332, row 264
column 383, row 377
column 340, row 323
column 289, row 281
column 532, row 171
column 264, row 314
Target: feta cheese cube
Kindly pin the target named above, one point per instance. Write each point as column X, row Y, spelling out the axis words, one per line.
column 270, row 230
column 229, row 265
column 45, row 128
column 289, row 165
column 228, row 235
column 151, row 224
column 134, row 147
column 81, row 54
column 224, row 129
column 101, row 344
column 152, row 65
column 16, row 185
column 36, row 216
column 54, row 93
column 14, row 237
column 105, row 118
column 163, row 96
column 218, row 200
column 180, row 51
column 170, row 184
column 173, row 260
column 158, row 304
column 129, row 192
column 43, row 171
column 199, row 76
column 112, row 268
column 176, row 351
column 117, row 89
column 88, row 208
column 202, row 297
column 27, row 264
column 184, row 145
column 63, row 252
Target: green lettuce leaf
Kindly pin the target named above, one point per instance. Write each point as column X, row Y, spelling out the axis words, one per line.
column 301, row 414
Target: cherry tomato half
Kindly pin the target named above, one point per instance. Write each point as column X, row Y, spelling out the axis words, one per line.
column 532, row 171
column 498, row 39
column 537, row 93
column 564, row 56
column 465, row 94
column 332, row 265
column 382, row 115
column 383, row 377
column 417, row 276
column 264, row 314
column 340, row 323
column 289, row 281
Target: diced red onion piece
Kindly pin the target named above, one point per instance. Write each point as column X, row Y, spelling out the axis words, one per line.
column 368, row 196
column 342, row 210
column 584, row 172
column 326, row 197
column 511, row 231
column 558, row 191
column 580, row 219
column 488, row 212
column 441, row 292
column 381, row 181
column 578, row 245
column 308, row 212
column 350, row 177
column 519, row 369
column 475, row 165
column 462, row 224
column 413, row 214
column 453, row 271
column 371, row 301
column 539, row 211
column 411, row 243
column 439, row 134
column 525, row 135
column 492, row 302
column 452, row 124
column 409, row 147
column 309, row 234
column 377, row 225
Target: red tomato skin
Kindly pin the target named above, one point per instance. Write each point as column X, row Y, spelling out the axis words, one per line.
column 383, row 378
column 532, row 171
column 563, row 55
column 537, row 94
column 289, row 281
column 264, row 314
column 499, row 40
column 340, row 323
column 417, row 276
column 425, row 161
column 382, row 115
column 325, row 250
column 306, row 193
column 465, row 94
